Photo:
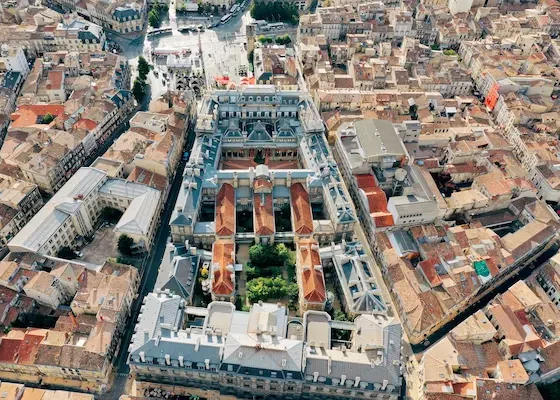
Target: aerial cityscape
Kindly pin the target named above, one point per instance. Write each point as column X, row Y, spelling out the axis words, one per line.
column 280, row 199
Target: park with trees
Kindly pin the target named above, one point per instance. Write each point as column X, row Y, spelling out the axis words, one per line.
column 275, row 11
column 271, row 274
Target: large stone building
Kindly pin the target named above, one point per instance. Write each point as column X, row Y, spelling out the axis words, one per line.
column 262, row 353
column 122, row 16
column 261, row 170
column 72, row 212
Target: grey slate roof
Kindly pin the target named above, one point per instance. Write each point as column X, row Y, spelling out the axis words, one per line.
column 263, row 352
column 178, row 271
column 374, row 357
column 158, row 309
column 378, row 137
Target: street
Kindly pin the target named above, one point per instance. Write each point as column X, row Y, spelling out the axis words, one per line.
column 148, row 278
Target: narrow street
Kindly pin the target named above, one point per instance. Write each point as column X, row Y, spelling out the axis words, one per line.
column 148, row 278
column 523, row 273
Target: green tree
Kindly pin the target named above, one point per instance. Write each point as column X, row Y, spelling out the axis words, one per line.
column 200, row 7
column 286, row 39
column 139, row 90
column 143, row 68
column 125, row 260
column 263, row 289
column 263, row 255
column 125, row 244
column 449, row 52
column 251, row 271
column 47, row 118
column 340, row 316
column 153, row 18
column 277, row 11
column 292, row 291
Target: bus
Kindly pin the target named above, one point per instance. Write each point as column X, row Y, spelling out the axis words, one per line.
column 225, row 18
column 160, row 31
column 276, row 25
column 234, row 9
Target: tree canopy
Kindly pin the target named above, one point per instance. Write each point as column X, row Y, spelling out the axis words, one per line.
column 143, row 68
column 139, row 89
column 125, row 244
column 47, row 118
column 263, row 289
column 286, row 39
column 153, row 18
column 275, row 12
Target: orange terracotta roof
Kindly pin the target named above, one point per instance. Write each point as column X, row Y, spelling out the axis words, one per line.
column 264, row 214
column 9, row 349
column 313, row 281
column 145, row 177
column 54, row 80
column 429, row 269
column 225, row 211
column 27, row 115
column 262, row 183
column 301, row 210
column 85, row 123
column 222, row 256
column 29, row 347
column 377, row 201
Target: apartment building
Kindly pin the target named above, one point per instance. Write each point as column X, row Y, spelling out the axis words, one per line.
column 469, row 250
column 259, row 353
column 69, row 105
column 19, row 201
column 122, row 16
column 47, row 158
column 386, row 190
column 38, row 29
column 154, row 143
column 12, row 58
column 276, row 65
column 72, row 212
column 18, row 391
column 79, row 348
column 75, row 34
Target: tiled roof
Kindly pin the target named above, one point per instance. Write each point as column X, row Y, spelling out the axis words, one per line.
column 377, row 201
column 145, row 177
column 54, row 80
column 488, row 389
column 86, row 124
column 262, row 183
column 313, row 281
column 222, row 257
column 428, row 267
column 9, row 349
column 301, row 210
column 225, row 211
column 264, row 214
column 27, row 115
column 30, row 347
